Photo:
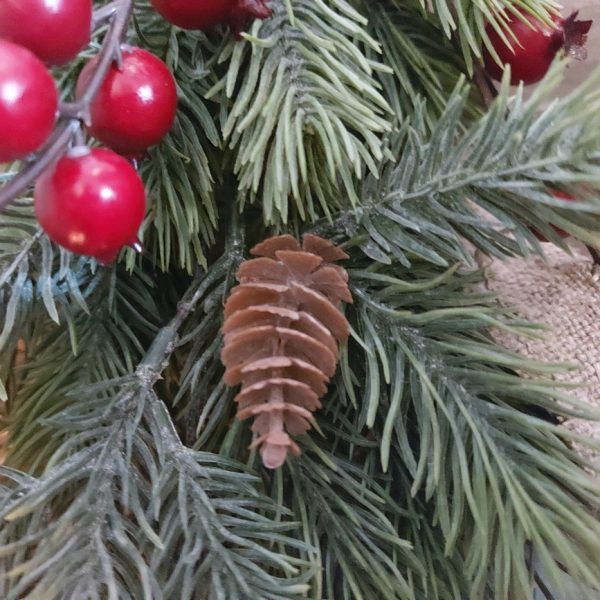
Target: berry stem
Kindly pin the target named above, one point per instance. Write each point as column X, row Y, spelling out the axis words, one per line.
column 110, row 51
column 104, row 14
column 53, row 150
column 72, row 113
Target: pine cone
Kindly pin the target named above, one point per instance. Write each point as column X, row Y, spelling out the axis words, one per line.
column 282, row 329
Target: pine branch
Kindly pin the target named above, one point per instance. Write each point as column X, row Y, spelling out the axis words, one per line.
column 352, row 517
column 425, row 65
column 198, row 520
column 372, row 538
column 101, row 344
column 479, row 443
column 203, row 403
column 306, row 116
column 34, row 273
column 182, row 223
column 490, row 185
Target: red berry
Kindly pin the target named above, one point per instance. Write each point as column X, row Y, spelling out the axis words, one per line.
column 28, row 102
column 204, row 14
column 54, row 30
column 534, row 46
column 91, row 202
column 135, row 106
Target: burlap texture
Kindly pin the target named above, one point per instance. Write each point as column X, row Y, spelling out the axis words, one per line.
column 564, row 293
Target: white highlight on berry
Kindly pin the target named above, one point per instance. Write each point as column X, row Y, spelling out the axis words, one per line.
column 77, row 238
column 107, row 193
column 145, row 93
column 53, row 5
column 78, row 151
column 11, row 92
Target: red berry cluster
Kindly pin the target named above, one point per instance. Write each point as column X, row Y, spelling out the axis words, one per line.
column 92, row 201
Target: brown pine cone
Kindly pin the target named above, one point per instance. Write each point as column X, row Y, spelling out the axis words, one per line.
column 282, row 330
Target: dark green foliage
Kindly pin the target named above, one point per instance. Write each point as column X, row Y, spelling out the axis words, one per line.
column 423, row 61
column 488, row 185
column 35, row 279
column 128, row 498
column 129, row 501
column 102, row 343
column 437, row 468
column 480, row 444
column 183, row 219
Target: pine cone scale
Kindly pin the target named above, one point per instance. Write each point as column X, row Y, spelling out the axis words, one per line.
column 293, row 368
column 252, row 343
column 279, row 316
column 314, row 303
column 247, row 295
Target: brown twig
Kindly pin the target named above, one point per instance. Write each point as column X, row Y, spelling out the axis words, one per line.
column 71, row 114
column 595, row 254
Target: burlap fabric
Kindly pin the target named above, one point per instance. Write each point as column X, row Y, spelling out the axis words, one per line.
column 564, row 293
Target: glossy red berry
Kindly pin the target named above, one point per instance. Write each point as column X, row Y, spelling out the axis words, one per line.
column 55, row 30
column 91, row 202
column 204, row 14
column 136, row 104
column 534, row 46
column 28, row 102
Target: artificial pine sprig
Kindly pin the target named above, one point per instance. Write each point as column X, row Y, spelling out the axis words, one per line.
column 304, row 113
column 490, row 184
column 122, row 466
column 436, row 469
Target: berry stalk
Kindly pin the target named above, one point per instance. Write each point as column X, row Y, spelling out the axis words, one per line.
column 71, row 114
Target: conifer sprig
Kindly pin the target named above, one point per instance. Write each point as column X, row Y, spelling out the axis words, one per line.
column 479, row 443
column 307, row 116
column 437, row 469
column 490, row 185
column 203, row 529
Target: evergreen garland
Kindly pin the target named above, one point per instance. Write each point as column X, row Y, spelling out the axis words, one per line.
column 438, row 468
